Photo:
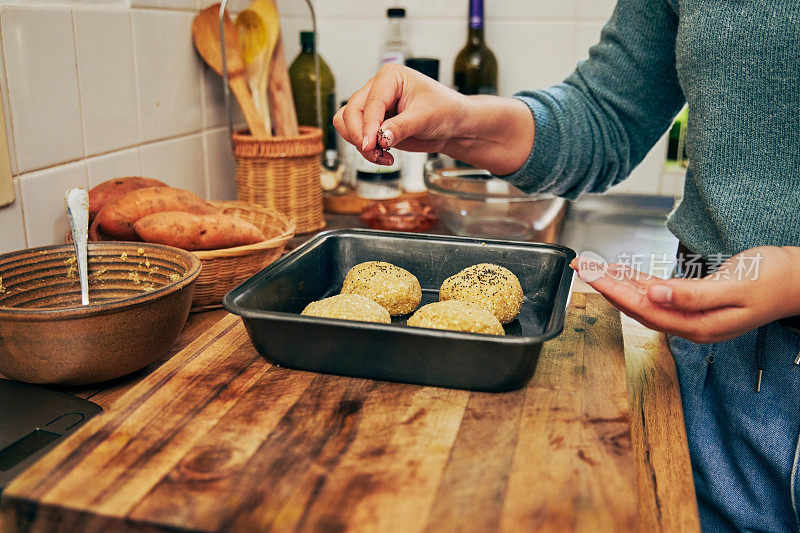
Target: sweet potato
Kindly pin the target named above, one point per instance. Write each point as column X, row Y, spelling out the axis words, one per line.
column 197, row 232
column 116, row 218
column 112, row 189
column 94, row 231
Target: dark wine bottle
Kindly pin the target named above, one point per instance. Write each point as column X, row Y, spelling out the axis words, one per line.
column 475, row 68
column 304, row 89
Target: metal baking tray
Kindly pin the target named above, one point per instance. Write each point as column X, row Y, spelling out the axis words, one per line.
column 271, row 301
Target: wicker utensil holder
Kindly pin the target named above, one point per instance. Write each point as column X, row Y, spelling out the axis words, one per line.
column 282, row 173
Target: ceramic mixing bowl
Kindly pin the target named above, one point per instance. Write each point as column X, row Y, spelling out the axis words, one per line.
column 139, row 295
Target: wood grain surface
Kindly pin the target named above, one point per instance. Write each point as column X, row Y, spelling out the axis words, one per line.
column 106, row 393
column 218, row 439
column 657, row 432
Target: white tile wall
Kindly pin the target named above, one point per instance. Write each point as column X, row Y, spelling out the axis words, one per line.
column 353, row 61
column 169, row 73
column 440, row 39
column 43, row 198
column 531, row 55
column 97, row 89
column 587, row 34
column 39, row 54
column 595, row 9
column 672, row 182
column 108, row 99
column 166, row 4
column 67, row 2
column 646, row 177
column 214, row 113
column 114, row 165
column 12, row 229
column 528, row 9
column 177, row 162
column 430, row 9
column 219, row 168
column 293, row 8
column 329, row 40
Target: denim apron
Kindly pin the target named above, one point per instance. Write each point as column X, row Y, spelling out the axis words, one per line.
column 743, row 444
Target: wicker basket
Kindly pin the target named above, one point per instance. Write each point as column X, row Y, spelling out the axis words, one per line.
column 282, row 173
column 226, row 268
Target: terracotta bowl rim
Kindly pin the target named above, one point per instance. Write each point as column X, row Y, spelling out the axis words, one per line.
column 26, row 313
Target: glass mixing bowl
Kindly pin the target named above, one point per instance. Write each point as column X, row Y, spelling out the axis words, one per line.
column 473, row 202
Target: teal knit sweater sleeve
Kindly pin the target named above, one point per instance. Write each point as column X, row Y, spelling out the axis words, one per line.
column 596, row 126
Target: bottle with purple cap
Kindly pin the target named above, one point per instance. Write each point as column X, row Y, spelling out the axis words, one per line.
column 475, row 68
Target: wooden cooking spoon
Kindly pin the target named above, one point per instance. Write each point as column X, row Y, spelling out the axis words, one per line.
column 205, row 33
column 259, row 26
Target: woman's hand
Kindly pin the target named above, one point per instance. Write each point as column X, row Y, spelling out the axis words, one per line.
column 750, row 289
column 424, row 114
column 417, row 114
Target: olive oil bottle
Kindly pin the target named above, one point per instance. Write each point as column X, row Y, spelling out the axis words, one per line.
column 475, row 68
column 303, row 77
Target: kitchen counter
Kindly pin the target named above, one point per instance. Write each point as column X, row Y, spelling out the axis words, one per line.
column 212, row 437
column 216, row 438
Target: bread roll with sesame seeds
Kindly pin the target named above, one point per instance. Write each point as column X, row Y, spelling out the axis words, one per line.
column 348, row 307
column 457, row 316
column 488, row 286
column 394, row 288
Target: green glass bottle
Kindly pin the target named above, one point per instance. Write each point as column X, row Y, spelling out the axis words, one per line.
column 475, row 68
column 303, row 77
column 676, row 149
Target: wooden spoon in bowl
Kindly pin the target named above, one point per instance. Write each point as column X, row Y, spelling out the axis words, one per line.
column 205, row 33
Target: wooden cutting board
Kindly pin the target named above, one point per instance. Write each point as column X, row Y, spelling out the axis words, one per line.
column 219, row 439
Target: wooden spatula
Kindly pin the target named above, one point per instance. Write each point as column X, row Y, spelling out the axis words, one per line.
column 279, row 90
column 205, row 33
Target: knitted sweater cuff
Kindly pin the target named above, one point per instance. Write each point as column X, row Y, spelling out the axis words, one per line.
column 536, row 174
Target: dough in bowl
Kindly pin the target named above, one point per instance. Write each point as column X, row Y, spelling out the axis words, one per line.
column 488, row 286
column 348, row 307
column 457, row 316
column 394, row 288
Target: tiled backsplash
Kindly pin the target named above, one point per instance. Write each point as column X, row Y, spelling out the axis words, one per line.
column 96, row 89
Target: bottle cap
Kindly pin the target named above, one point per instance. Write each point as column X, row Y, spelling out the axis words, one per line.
column 307, row 39
column 426, row 65
column 396, row 13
